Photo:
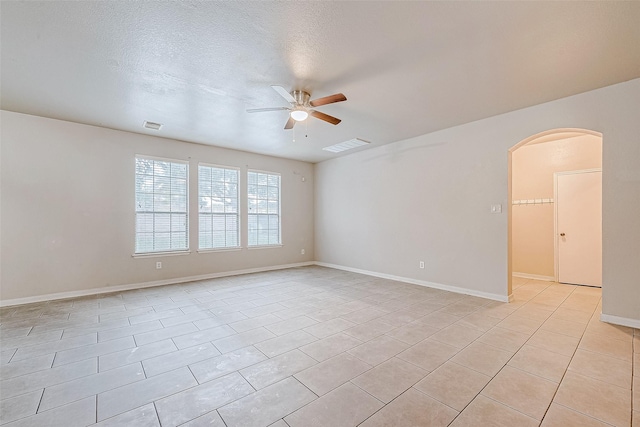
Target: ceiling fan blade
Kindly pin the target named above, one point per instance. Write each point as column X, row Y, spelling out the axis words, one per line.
column 290, row 123
column 325, row 117
column 283, row 93
column 260, row 110
column 338, row 97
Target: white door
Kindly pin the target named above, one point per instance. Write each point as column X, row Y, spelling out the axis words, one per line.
column 579, row 227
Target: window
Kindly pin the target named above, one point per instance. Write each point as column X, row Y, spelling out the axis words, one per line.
column 218, row 200
column 263, row 191
column 161, row 205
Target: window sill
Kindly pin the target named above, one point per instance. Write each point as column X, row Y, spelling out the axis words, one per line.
column 264, row 246
column 205, row 251
column 159, row 254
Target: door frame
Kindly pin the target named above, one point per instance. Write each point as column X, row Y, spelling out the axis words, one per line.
column 556, row 241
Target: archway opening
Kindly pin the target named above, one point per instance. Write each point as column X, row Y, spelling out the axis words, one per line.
column 536, row 173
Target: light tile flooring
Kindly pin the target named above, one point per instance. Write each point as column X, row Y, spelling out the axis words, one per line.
column 318, row 347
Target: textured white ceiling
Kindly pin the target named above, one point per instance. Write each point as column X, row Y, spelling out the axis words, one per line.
column 407, row 68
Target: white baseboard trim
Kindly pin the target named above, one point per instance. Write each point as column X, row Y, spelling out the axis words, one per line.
column 622, row 321
column 131, row 286
column 534, row 277
column 456, row 289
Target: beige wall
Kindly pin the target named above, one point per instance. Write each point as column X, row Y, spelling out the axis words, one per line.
column 68, row 208
column 533, row 166
column 428, row 198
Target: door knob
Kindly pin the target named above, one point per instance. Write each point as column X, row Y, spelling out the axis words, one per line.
column 562, row 234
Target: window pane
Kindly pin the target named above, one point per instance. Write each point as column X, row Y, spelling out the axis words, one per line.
column 231, row 175
column 273, row 193
column 179, row 240
column 161, row 203
column 232, row 238
column 218, row 223
column 144, row 202
column 205, row 204
column 144, row 223
column 231, row 190
column 178, row 170
column 205, row 240
column 218, row 239
column 217, row 174
column 252, row 178
column 161, row 188
column 178, row 203
column 205, row 224
column 162, row 223
column 204, row 173
column 204, row 188
column 178, row 186
column 274, row 222
column 179, row 222
column 218, row 191
column 144, row 242
column 263, row 194
column 144, row 183
column 217, row 205
column 162, row 185
column 230, row 205
column 162, row 241
column 161, row 168
column 144, row 166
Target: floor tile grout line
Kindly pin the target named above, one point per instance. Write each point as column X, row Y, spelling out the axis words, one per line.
column 586, row 415
column 572, row 356
column 460, row 317
column 507, row 363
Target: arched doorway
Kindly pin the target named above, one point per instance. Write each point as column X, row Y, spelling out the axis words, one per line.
column 534, row 165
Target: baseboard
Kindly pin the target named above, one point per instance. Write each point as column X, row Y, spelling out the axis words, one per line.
column 456, row 289
column 622, row 321
column 534, row 277
column 131, row 286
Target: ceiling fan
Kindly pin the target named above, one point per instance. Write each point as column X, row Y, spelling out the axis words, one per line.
column 300, row 107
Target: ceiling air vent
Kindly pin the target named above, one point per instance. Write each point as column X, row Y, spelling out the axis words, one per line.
column 346, row 145
column 152, row 125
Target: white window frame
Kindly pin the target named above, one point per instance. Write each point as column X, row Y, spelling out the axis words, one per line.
column 224, row 214
column 255, row 214
column 170, row 251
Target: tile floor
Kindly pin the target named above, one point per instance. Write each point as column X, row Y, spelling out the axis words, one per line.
column 318, row 347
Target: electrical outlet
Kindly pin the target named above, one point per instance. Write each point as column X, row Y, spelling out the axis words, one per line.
column 301, row 251
column 158, row 265
column 496, row 209
column 421, row 264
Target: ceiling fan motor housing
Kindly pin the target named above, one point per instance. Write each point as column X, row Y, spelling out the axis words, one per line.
column 301, row 97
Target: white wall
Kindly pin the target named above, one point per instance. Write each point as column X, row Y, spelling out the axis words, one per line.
column 68, row 208
column 428, row 198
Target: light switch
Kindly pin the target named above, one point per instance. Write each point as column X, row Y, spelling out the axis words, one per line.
column 496, row 209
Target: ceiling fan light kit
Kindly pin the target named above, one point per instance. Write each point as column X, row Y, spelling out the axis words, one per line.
column 300, row 108
column 299, row 114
